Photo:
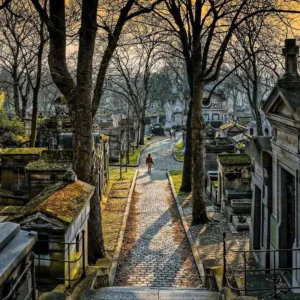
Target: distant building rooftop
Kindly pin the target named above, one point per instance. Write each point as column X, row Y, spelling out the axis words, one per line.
column 230, row 125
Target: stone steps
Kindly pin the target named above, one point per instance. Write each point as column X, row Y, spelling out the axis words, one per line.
column 133, row 293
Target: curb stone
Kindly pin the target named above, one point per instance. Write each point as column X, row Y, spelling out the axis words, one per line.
column 175, row 157
column 174, row 154
column 122, row 232
column 187, row 232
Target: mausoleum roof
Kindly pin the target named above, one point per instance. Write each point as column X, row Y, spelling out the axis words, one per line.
column 22, row 151
column 61, row 201
column 230, row 125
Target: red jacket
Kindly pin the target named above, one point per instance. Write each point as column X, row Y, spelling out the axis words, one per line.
column 149, row 160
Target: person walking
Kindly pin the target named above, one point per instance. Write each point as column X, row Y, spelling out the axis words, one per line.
column 149, row 163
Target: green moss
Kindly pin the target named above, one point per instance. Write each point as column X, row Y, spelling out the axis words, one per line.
column 57, row 155
column 21, row 139
column 104, row 137
column 61, row 201
column 67, row 203
column 52, row 160
column 215, row 184
column 22, row 151
column 42, row 165
column 234, row 159
column 9, row 210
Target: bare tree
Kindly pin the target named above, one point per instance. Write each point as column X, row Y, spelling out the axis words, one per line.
column 23, row 42
column 14, row 34
column 205, row 29
column 134, row 69
column 82, row 101
column 257, row 74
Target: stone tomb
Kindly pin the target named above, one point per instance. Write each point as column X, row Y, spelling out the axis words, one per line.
column 59, row 214
column 14, row 161
column 282, row 110
column 213, row 147
column 234, row 188
column 260, row 150
column 15, row 248
column 48, row 169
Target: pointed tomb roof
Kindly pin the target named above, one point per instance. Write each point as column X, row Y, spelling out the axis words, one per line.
column 284, row 100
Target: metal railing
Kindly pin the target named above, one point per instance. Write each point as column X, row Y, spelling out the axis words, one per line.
column 27, row 272
column 248, row 268
column 68, row 261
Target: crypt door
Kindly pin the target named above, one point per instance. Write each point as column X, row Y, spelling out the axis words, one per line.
column 287, row 227
column 290, row 198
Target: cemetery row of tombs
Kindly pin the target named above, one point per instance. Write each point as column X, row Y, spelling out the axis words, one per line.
column 44, row 209
column 255, row 179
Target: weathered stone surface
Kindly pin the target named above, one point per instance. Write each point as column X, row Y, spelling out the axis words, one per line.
column 8, row 232
column 53, row 296
column 16, row 245
column 151, row 294
column 245, row 298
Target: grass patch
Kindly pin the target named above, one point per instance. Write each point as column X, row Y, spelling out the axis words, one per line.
column 114, row 174
column 176, row 176
column 178, row 150
column 133, row 157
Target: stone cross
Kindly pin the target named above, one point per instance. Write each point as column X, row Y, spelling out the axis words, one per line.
column 290, row 52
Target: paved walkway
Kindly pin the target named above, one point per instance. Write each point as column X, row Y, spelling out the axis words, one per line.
column 155, row 251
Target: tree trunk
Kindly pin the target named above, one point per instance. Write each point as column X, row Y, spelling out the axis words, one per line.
column 198, row 152
column 80, row 102
column 34, row 118
column 186, row 182
column 142, row 129
column 16, row 91
column 258, row 122
column 87, row 171
column 24, row 106
column 138, row 136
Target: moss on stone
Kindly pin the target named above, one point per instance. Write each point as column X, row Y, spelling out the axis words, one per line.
column 61, row 201
column 42, row 165
column 9, row 210
column 215, row 184
column 104, row 137
column 20, row 139
column 52, row 160
column 22, row 151
column 234, row 159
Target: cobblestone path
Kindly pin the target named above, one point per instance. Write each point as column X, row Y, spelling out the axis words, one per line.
column 155, row 251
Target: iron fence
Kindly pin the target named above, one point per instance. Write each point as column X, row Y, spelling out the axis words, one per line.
column 29, row 271
column 71, row 281
column 275, row 274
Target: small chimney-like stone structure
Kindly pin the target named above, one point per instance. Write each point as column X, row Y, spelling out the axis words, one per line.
column 290, row 52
